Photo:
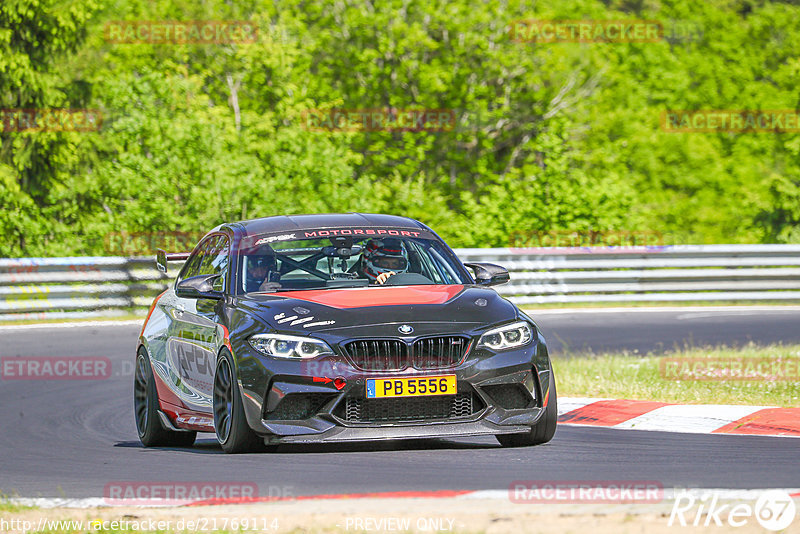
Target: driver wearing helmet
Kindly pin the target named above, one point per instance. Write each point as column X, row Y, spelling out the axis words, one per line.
column 382, row 259
column 262, row 271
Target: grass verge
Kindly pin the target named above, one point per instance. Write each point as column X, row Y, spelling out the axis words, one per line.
column 9, row 507
column 751, row 375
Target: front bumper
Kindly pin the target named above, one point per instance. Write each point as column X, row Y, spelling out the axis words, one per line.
column 323, row 413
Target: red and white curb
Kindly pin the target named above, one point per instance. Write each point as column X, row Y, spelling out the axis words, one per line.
column 685, row 418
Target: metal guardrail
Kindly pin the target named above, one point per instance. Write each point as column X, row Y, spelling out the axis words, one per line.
column 57, row 288
column 659, row 274
column 54, row 288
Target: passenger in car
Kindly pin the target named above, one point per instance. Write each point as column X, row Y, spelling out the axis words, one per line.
column 262, row 272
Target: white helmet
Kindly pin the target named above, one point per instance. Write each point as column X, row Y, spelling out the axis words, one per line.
column 384, row 256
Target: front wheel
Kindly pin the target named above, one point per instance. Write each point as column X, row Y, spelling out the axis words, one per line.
column 544, row 430
column 145, row 406
column 230, row 423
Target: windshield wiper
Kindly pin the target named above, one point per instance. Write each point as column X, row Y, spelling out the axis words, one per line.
column 347, row 282
column 330, row 284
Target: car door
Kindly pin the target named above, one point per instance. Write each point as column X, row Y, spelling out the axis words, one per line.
column 191, row 346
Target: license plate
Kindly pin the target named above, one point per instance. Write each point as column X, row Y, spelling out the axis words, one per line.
column 418, row 386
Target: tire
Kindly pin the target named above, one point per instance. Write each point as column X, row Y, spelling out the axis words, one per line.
column 543, row 431
column 230, row 423
column 145, row 408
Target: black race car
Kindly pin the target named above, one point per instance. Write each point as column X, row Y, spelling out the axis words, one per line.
column 337, row 327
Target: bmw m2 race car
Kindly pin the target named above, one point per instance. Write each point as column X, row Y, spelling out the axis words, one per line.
column 337, row 327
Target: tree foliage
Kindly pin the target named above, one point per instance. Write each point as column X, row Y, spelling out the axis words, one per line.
column 549, row 136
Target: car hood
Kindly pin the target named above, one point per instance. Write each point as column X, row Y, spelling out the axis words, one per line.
column 428, row 309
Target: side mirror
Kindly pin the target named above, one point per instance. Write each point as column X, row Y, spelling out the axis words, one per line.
column 489, row 274
column 162, row 257
column 198, row 287
column 161, row 260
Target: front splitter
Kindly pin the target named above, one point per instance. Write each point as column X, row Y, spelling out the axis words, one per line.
column 373, row 433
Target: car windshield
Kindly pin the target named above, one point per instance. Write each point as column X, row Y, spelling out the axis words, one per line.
column 272, row 264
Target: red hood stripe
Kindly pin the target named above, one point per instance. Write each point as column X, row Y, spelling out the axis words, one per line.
column 362, row 297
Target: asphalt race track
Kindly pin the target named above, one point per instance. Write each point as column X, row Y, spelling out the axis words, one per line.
column 70, row 438
column 645, row 330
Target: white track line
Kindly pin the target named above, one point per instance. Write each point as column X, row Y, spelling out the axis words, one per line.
column 558, row 311
column 76, row 324
column 660, row 309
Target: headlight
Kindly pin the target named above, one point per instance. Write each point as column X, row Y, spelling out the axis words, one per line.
column 282, row 346
column 506, row 337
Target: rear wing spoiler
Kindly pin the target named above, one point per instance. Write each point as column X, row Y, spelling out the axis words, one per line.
column 162, row 257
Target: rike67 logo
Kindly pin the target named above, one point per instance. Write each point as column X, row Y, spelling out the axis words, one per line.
column 773, row 509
